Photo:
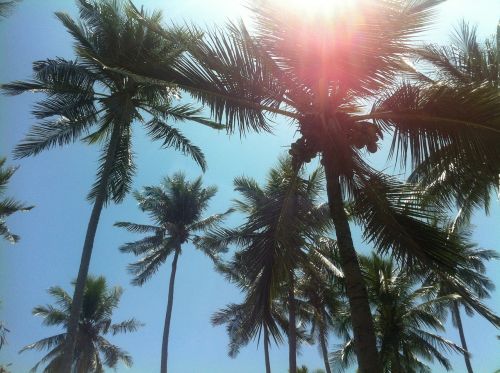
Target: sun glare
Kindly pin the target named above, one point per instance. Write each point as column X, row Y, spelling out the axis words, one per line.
column 323, row 8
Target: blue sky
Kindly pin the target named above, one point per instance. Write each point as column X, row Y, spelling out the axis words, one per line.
column 58, row 181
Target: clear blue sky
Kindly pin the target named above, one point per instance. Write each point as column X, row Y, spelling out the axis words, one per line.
column 58, row 181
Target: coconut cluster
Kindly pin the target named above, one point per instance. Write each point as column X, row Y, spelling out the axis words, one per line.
column 313, row 141
column 364, row 134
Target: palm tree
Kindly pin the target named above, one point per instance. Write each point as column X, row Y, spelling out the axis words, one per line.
column 176, row 208
column 88, row 102
column 474, row 276
column 8, row 206
column 281, row 217
column 318, row 71
column 244, row 323
column 320, row 293
column 404, row 311
column 92, row 350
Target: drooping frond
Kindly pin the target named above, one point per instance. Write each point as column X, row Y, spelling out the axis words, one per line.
column 136, row 228
column 172, row 137
column 116, row 168
column 426, row 119
column 149, row 264
column 8, row 206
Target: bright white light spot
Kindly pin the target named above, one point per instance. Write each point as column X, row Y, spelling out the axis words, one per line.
column 323, row 8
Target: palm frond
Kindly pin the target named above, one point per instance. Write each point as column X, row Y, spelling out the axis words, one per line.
column 51, row 133
column 116, row 168
column 149, row 264
column 8, row 206
column 130, row 325
column 171, row 137
column 136, row 228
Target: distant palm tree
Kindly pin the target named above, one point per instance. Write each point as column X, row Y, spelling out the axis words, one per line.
column 92, row 350
column 473, row 275
column 404, row 311
column 175, row 208
column 320, row 292
column 8, row 206
column 88, row 102
column 281, row 218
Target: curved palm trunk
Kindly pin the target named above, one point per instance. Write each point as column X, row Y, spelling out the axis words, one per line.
column 266, row 350
column 168, row 315
column 361, row 317
column 292, row 331
column 76, row 304
column 324, row 350
column 458, row 319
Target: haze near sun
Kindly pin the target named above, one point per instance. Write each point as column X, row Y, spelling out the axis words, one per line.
column 317, row 7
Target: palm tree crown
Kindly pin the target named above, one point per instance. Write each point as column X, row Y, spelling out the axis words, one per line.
column 176, row 210
column 92, row 351
column 88, row 102
column 404, row 311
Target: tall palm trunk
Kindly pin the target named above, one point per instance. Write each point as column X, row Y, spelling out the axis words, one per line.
column 168, row 315
column 266, row 350
column 76, row 304
column 292, row 328
column 361, row 317
column 396, row 363
column 324, row 349
column 456, row 315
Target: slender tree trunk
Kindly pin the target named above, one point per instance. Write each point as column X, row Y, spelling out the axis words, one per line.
column 458, row 319
column 266, row 350
column 292, row 328
column 76, row 304
column 361, row 317
column 324, row 349
column 168, row 315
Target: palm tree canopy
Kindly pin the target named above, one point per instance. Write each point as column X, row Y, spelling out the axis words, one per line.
column 8, row 206
column 93, row 351
column 467, row 179
column 280, row 69
column 406, row 317
column 175, row 209
column 282, row 216
column 472, row 273
column 88, row 102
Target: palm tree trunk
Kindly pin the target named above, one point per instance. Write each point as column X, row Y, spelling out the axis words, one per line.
column 76, row 304
column 361, row 317
column 168, row 315
column 458, row 319
column 266, row 350
column 396, row 363
column 324, row 349
column 292, row 328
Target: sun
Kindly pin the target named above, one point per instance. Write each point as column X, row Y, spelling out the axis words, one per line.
column 323, row 8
